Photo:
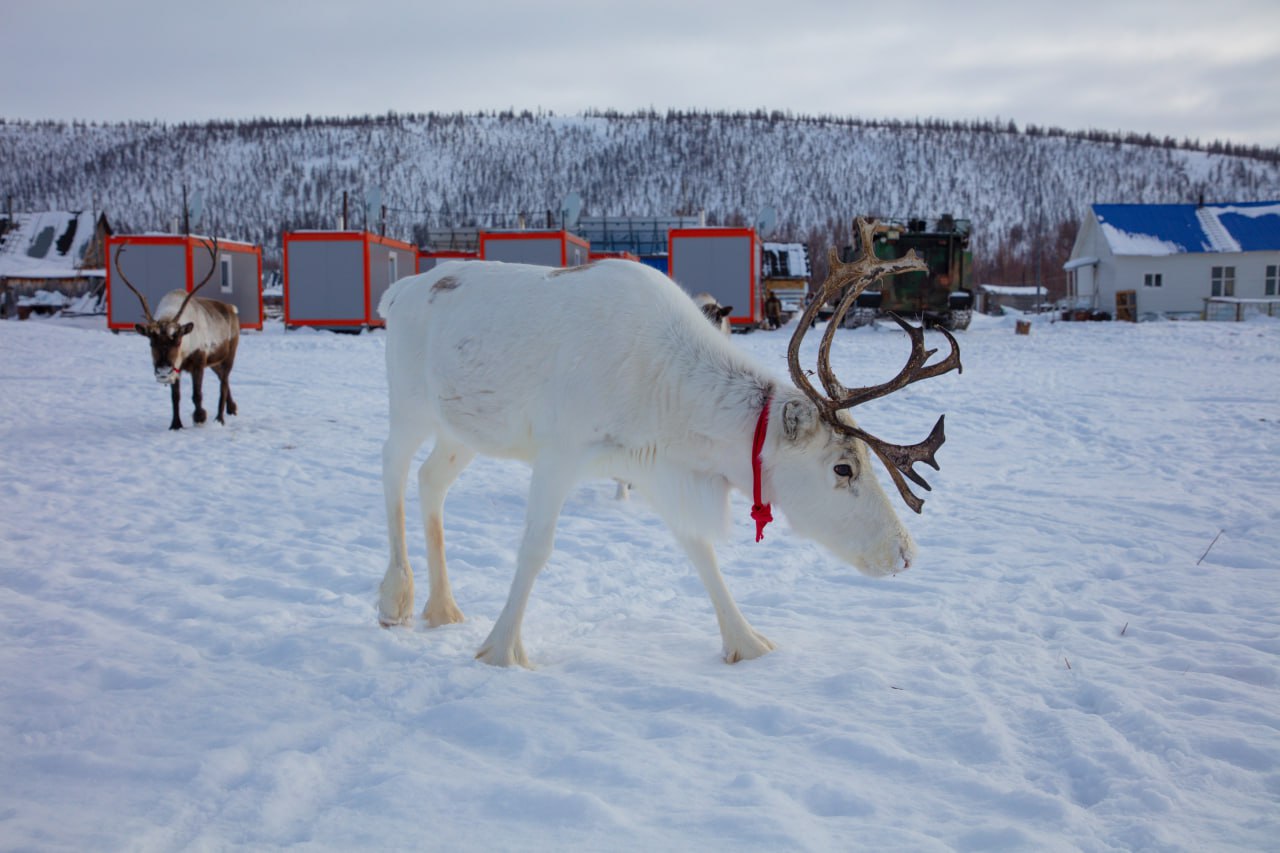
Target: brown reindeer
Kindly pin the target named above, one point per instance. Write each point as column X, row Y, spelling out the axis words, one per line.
column 208, row 338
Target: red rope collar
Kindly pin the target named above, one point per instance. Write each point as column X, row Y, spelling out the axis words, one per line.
column 761, row 512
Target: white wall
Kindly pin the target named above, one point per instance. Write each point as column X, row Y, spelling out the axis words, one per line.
column 1186, row 278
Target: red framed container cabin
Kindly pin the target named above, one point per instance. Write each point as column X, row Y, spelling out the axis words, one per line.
column 428, row 259
column 158, row 263
column 334, row 279
column 624, row 256
column 543, row 248
column 724, row 262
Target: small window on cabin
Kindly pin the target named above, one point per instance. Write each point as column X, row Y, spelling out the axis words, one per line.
column 1222, row 281
column 1273, row 279
column 1153, row 279
column 224, row 263
column 393, row 267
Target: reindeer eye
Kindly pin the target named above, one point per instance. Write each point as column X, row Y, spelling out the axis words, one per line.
column 843, row 470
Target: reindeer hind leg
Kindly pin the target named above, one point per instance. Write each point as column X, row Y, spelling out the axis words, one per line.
column 395, row 594
column 442, row 467
column 225, row 403
column 226, row 377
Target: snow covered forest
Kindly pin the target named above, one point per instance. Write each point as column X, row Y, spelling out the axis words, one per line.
column 1023, row 188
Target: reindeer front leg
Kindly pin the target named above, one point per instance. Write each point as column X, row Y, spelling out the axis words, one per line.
column 741, row 641
column 175, row 392
column 197, row 394
column 552, row 480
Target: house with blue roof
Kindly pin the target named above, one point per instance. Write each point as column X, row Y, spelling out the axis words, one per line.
column 1178, row 259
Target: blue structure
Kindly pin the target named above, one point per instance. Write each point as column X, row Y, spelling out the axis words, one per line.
column 643, row 236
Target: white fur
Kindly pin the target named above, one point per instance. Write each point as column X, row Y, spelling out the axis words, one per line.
column 608, row 370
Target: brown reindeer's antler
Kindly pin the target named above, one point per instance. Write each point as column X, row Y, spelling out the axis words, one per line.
column 858, row 275
column 146, row 309
column 212, row 246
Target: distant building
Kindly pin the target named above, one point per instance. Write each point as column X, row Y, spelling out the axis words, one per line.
column 786, row 272
column 58, row 252
column 723, row 263
column 335, row 279
column 997, row 298
column 646, row 237
column 543, row 248
column 155, row 264
column 1176, row 259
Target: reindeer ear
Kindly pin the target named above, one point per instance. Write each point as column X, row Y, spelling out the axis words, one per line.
column 187, row 327
column 725, row 311
column 140, row 329
column 799, row 419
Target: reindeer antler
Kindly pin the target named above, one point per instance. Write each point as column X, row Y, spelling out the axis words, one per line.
column 212, row 247
column 146, row 309
column 857, row 275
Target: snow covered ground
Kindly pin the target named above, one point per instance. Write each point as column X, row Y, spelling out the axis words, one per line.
column 189, row 656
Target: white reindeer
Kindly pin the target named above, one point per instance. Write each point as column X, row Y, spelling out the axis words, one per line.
column 610, row 370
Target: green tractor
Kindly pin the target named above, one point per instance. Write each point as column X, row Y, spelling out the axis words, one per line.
column 943, row 296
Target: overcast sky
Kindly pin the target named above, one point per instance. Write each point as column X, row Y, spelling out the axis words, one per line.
column 1204, row 70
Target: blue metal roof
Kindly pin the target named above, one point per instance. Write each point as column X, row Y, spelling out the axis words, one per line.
column 1162, row 229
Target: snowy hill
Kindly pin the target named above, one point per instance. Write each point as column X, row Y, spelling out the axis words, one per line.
column 1022, row 189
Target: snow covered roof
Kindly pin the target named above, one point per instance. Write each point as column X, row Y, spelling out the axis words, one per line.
column 1013, row 289
column 786, row 260
column 1171, row 229
column 48, row 244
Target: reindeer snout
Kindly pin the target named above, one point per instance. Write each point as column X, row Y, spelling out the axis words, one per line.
column 166, row 375
column 906, row 553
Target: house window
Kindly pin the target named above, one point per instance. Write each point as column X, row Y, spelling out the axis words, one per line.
column 224, row 263
column 1273, row 279
column 1223, row 281
column 1153, row 279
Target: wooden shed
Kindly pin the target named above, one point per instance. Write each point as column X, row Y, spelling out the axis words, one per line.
column 158, row 263
column 334, row 279
column 544, row 248
column 724, row 262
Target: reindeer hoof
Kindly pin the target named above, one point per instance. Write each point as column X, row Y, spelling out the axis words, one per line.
column 445, row 613
column 748, row 648
column 231, row 408
column 200, row 416
column 505, row 656
column 176, row 425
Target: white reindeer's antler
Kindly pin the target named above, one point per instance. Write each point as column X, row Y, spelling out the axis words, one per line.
column 856, row 276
